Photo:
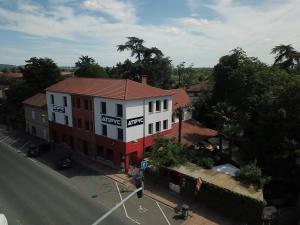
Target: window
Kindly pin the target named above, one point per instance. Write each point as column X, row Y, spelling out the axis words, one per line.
column 150, row 105
column 158, row 105
column 100, row 151
column 150, row 128
column 33, row 115
column 74, row 122
column 53, row 117
column 79, row 123
column 65, row 101
column 104, row 130
column 165, row 104
column 67, row 120
column 86, row 104
column 87, row 125
column 103, row 107
column 52, row 99
column 119, row 110
column 120, row 134
column 157, row 126
column 165, row 124
column 78, row 102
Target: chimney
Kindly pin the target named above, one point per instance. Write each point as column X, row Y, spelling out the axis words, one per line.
column 144, row 79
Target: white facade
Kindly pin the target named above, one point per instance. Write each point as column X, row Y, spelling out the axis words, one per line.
column 132, row 109
column 187, row 115
column 58, row 108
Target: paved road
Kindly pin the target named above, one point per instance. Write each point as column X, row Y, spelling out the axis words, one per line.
column 34, row 192
column 31, row 194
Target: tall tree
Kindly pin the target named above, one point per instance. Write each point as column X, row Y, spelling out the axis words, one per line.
column 87, row 67
column 286, row 57
column 39, row 73
column 149, row 61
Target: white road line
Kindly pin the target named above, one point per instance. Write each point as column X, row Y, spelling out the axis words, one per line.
column 23, row 146
column 16, row 140
column 32, row 160
column 133, row 220
column 4, row 139
column 163, row 213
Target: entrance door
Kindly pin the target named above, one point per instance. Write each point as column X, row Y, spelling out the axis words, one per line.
column 133, row 159
column 85, row 147
column 33, row 130
column 110, row 154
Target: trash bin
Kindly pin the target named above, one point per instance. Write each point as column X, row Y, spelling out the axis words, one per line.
column 185, row 211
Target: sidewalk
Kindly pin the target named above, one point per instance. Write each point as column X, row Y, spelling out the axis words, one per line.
column 198, row 215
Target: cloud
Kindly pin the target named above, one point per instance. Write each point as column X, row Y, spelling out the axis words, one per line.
column 67, row 31
column 121, row 10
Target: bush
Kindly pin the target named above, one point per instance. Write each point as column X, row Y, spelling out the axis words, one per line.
column 252, row 175
column 205, row 162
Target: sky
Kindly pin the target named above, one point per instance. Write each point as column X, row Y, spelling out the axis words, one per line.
column 197, row 32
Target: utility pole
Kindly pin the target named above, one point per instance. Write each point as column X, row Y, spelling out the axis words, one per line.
column 139, row 191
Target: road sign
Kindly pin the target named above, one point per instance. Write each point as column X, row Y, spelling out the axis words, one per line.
column 144, row 164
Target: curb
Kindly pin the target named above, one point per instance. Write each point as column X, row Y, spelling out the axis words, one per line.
column 127, row 184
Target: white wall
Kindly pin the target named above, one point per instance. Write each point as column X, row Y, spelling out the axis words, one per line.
column 131, row 109
column 111, row 110
column 186, row 115
column 58, row 101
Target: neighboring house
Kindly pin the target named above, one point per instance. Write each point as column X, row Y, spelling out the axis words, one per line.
column 3, row 89
column 11, row 75
column 191, row 131
column 36, row 117
column 194, row 90
column 181, row 100
column 110, row 120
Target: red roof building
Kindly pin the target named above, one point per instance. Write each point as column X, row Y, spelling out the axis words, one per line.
column 112, row 120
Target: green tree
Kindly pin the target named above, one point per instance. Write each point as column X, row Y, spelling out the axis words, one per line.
column 87, row 67
column 251, row 174
column 149, row 61
column 40, row 73
column 167, row 152
column 286, row 57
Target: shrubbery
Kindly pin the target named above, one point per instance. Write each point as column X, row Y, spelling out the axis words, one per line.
column 252, row 175
column 205, row 162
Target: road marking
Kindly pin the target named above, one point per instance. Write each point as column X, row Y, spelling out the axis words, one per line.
column 141, row 209
column 23, row 146
column 133, row 220
column 32, row 160
column 16, row 140
column 4, row 139
column 163, row 213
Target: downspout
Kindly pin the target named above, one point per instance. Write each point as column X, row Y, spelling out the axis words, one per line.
column 93, row 129
column 144, row 127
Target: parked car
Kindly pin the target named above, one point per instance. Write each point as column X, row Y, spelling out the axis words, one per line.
column 36, row 150
column 63, row 163
column 44, row 147
column 33, row 151
column 3, row 220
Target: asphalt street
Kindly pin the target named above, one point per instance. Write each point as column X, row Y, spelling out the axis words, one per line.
column 32, row 192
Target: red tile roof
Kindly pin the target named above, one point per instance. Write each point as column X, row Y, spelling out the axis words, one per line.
column 180, row 98
column 38, row 100
column 108, row 88
column 203, row 86
column 12, row 75
column 191, row 132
